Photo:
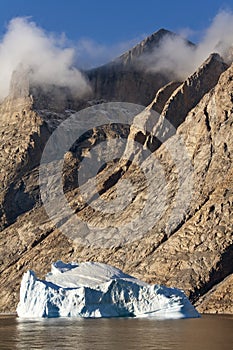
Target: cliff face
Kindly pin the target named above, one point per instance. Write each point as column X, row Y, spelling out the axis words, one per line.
column 23, row 135
column 126, row 79
column 175, row 223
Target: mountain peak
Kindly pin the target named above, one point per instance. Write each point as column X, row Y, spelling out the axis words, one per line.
column 147, row 46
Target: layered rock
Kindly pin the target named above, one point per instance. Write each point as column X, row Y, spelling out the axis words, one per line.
column 163, row 96
column 188, row 95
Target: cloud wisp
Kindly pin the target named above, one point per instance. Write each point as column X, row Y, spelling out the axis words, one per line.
column 176, row 57
column 45, row 56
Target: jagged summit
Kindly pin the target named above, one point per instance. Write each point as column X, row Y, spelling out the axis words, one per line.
column 128, row 75
column 125, row 78
column 146, row 46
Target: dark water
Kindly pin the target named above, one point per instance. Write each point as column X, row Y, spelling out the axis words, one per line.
column 208, row 332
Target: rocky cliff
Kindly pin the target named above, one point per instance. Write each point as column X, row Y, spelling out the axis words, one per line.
column 171, row 181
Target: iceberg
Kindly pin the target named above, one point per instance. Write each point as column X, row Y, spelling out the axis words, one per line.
column 94, row 290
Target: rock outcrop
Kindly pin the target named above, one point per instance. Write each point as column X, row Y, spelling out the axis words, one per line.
column 23, row 135
column 163, row 96
column 187, row 96
column 175, row 224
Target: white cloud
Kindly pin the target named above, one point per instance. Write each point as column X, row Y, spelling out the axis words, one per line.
column 50, row 60
column 44, row 55
column 175, row 56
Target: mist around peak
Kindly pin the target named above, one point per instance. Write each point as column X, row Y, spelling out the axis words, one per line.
column 46, row 57
column 52, row 60
column 176, row 57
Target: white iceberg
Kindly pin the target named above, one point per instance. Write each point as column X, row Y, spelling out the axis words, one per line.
column 93, row 290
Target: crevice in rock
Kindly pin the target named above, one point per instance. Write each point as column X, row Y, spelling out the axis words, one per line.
column 112, row 180
column 208, row 126
column 26, row 250
column 207, row 119
column 41, row 238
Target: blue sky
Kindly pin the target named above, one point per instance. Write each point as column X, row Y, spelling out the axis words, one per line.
column 108, row 22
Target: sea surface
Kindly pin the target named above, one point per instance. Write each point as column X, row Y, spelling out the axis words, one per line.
column 208, row 333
